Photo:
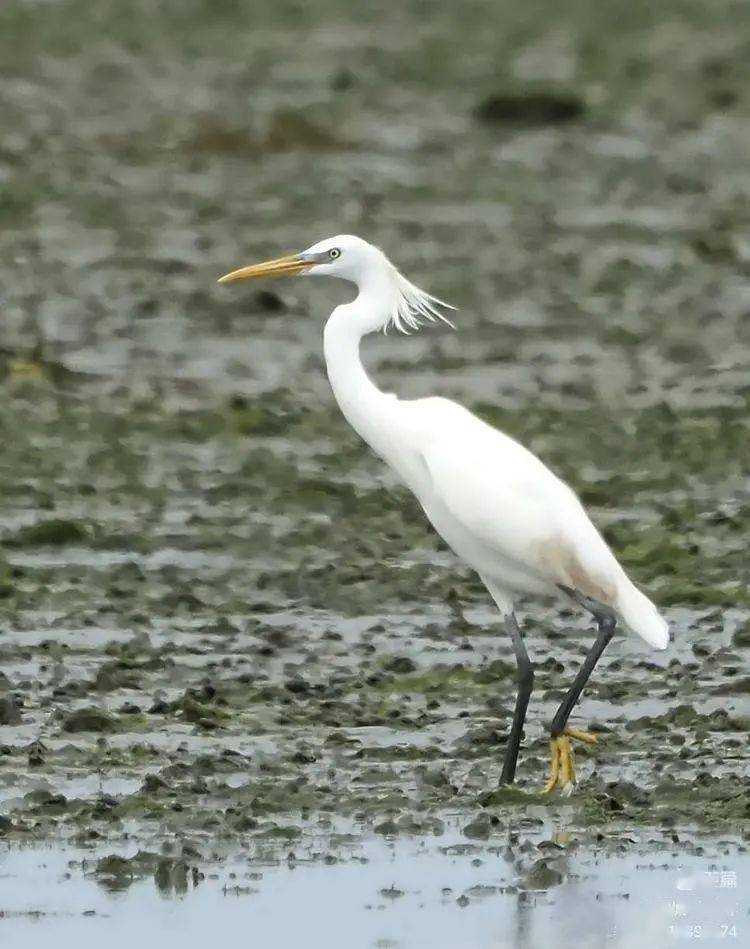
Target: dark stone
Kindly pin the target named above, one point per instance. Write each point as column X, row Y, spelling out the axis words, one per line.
column 270, row 302
column 530, row 108
column 52, row 533
column 9, row 712
column 401, row 665
column 297, row 685
column 88, row 720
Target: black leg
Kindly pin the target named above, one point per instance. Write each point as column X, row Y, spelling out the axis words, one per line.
column 606, row 621
column 525, row 686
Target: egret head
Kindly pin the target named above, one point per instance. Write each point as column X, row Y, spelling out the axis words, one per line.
column 352, row 259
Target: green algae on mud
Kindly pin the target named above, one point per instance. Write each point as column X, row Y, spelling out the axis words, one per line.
column 222, row 622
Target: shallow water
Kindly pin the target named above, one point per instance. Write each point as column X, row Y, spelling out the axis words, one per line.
column 438, row 892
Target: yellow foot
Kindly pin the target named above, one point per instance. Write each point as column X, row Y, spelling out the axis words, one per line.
column 563, row 769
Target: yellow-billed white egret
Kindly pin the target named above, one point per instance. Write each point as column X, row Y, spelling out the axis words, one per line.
column 494, row 503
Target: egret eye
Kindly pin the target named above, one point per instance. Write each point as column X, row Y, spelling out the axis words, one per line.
column 334, row 252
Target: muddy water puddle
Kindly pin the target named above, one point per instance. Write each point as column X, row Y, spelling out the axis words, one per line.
column 442, row 891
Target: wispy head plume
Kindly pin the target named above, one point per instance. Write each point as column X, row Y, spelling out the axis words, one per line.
column 413, row 307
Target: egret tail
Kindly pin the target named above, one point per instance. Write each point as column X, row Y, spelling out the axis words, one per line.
column 641, row 616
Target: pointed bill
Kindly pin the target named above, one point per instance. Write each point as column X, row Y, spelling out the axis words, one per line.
column 281, row 267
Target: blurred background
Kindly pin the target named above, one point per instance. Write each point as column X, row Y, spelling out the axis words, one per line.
column 191, row 532
column 573, row 179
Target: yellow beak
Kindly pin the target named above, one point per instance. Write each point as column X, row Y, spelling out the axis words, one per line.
column 281, row 267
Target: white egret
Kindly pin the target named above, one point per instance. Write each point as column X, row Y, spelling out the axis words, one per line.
column 493, row 502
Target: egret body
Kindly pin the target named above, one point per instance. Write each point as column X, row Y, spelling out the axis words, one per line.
column 494, row 503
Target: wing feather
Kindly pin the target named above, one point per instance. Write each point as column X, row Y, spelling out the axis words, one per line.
column 509, row 502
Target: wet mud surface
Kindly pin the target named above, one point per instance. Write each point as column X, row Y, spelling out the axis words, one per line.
column 224, row 628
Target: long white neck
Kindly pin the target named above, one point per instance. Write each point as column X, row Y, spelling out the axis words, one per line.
column 368, row 410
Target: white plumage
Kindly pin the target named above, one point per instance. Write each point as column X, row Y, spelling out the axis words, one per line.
column 494, row 503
